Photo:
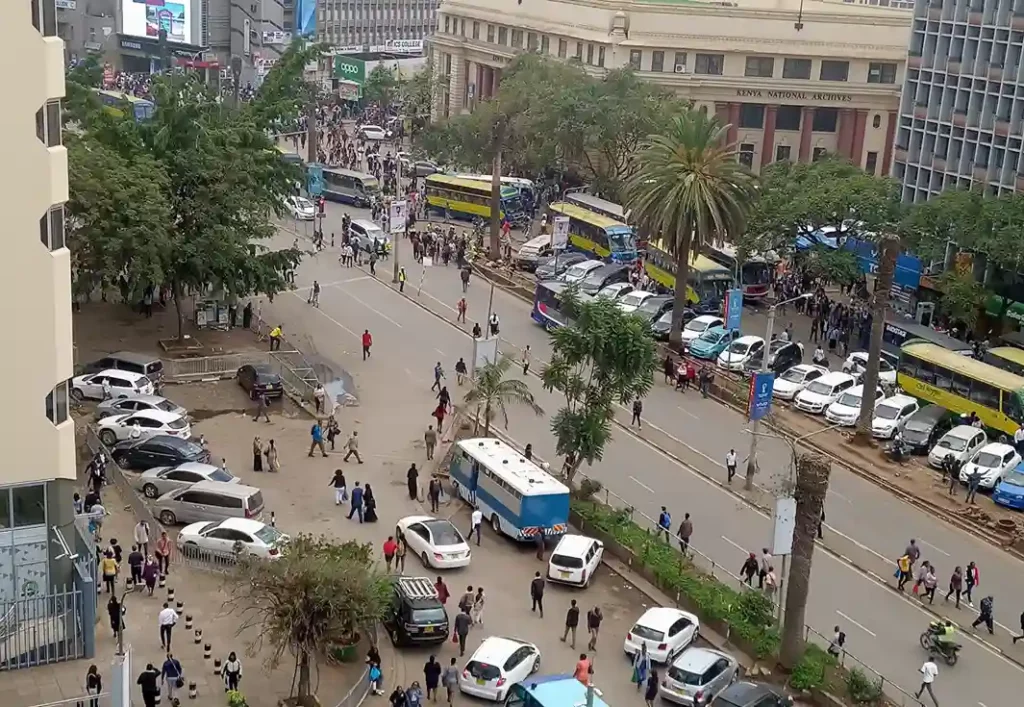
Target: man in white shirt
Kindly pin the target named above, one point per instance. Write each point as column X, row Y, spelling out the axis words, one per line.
column 166, row 619
column 928, row 672
column 1018, row 439
column 766, row 565
column 730, row 465
column 474, row 528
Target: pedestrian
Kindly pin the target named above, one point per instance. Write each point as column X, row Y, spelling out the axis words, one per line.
column 401, row 279
column 147, row 682
column 141, row 536
column 367, row 343
column 340, row 487
column 442, row 590
column 985, row 614
column 477, row 331
column 594, row 619
column 257, row 453
column 319, row 398
column 262, row 407
column 730, row 465
column 765, row 566
column 664, row 524
column 431, row 677
column 972, row 580
column 316, row 434
column 115, row 613
column 352, row 445
column 973, row 481
column 930, row 584
column 163, row 552
column 1021, row 636
column 475, row 521
column 835, row 647
column 928, row 671
column 172, row 676
column 638, row 407
column 584, row 669
column 477, row 612
column 430, row 440
column 651, row 693
column 684, row 533
column 438, row 377
column 461, row 308
column 276, row 335
column 956, row 585
column 525, row 360
column 460, row 371
column 641, row 666
column 390, row 547
column 357, row 503
column 462, row 624
column 273, row 458
column 401, row 550
column 314, row 294
column 434, row 493
column 150, row 572
column 572, row 620
column 450, row 678
column 903, row 574
column 397, row 698
column 232, row 671
column 135, row 560
column 93, row 685
column 771, row 582
column 919, row 576
column 749, row 569
column 537, row 594
column 528, row 452
column 166, row 620
column 108, row 569
column 411, row 480
column 493, row 323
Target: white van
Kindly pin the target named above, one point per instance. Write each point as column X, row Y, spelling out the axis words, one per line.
column 575, row 559
column 736, row 355
column 362, row 233
column 821, row 393
column 532, row 251
column 846, row 408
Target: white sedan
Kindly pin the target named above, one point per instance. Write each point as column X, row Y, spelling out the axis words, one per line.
column 857, row 363
column 372, row 132
column 498, row 664
column 993, row 461
column 631, row 302
column 141, row 424
column 665, row 631
column 890, row 414
column 698, row 325
column 232, row 536
column 301, row 208
column 435, row 541
column 615, row 291
column 796, row 379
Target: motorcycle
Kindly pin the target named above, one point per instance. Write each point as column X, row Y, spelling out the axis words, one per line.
column 929, row 641
column 897, row 451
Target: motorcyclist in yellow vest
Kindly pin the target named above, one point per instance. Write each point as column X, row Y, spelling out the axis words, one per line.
column 946, row 634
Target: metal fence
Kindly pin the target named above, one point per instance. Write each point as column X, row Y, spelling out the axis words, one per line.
column 208, row 560
column 204, row 368
column 358, row 692
column 104, row 699
column 42, row 630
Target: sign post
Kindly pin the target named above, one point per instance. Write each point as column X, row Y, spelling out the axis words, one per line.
column 559, row 236
column 759, row 398
column 733, row 309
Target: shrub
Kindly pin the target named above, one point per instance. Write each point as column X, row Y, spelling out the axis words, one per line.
column 812, row 670
column 862, row 689
column 236, row 699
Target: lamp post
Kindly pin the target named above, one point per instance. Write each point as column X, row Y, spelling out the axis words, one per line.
column 394, row 249
column 752, row 458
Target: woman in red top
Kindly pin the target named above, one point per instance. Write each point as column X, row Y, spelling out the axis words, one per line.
column 390, row 548
column 439, row 413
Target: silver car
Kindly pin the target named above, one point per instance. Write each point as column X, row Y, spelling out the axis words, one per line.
column 157, row 481
column 124, row 406
column 697, row 675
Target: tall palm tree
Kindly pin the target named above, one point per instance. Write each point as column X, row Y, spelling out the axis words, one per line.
column 692, row 191
column 493, row 391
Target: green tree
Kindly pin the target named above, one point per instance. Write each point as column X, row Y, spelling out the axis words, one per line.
column 418, row 95
column 963, row 297
column 382, row 87
column 888, row 251
column 317, row 597
column 603, row 358
column 691, row 190
column 494, row 391
column 831, row 265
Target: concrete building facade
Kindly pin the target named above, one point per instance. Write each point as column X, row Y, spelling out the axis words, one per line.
column 795, row 80
column 36, row 432
column 962, row 113
column 375, row 25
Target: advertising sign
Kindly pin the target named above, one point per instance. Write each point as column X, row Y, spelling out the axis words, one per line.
column 759, row 402
column 349, row 69
column 315, row 179
column 733, row 309
column 399, row 213
column 305, row 17
column 404, row 46
column 246, row 36
column 277, row 37
column 783, row 525
column 560, row 234
column 146, row 18
column 66, row 4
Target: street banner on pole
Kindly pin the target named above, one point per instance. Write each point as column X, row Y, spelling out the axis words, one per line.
column 783, row 525
column 399, row 213
column 733, row 308
column 315, row 179
column 560, row 236
column 759, row 401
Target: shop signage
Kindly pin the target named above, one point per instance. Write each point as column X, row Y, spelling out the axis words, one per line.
column 277, row 37
column 131, row 44
column 794, row 95
column 93, row 46
column 350, row 69
column 66, row 4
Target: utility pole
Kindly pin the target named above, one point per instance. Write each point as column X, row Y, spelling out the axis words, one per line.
column 312, row 134
column 394, row 250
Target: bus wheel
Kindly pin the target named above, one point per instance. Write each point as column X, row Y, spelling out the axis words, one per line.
column 496, row 524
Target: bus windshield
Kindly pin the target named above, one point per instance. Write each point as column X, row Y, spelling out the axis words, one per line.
column 621, row 239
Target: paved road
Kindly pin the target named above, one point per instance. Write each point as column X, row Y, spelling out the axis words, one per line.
column 880, row 624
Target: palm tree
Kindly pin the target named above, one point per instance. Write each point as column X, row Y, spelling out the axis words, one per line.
column 691, row 189
column 494, row 392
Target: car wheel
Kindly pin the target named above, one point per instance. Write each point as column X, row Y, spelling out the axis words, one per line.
column 150, row 491
column 536, row 665
column 77, row 394
column 424, row 559
column 167, row 518
column 122, row 462
column 496, row 524
column 108, row 437
column 393, row 635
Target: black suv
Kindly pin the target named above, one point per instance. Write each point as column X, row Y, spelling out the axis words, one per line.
column 748, row 694
column 416, row 616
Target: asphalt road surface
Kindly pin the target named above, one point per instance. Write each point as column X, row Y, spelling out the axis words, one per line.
column 873, row 527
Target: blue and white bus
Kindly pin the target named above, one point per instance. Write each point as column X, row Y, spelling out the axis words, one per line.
column 551, row 691
column 517, row 497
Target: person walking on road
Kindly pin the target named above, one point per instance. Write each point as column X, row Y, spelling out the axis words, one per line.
column 450, row 678
column 572, row 621
column 537, row 594
column 765, row 567
column 340, row 487
column 431, row 677
column 638, row 408
column 276, row 335
column 929, row 671
column 594, row 619
column 461, row 308
column 477, row 612
column 903, row 573
column 430, row 440
column 913, row 552
column 985, row 614
column 438, row 377
column 401, row 279
column 148, row 683
column 749, row 569
column 172, row 676
column 476, row 520
column 972, row 580
column 525, row 360
column 367, row 343
column 973, row 481
column 462, row 623
column 956, row 585
column 460, row 371
column 664, row 524
column 390, row 548
column 316, row 433
column 357, row 503
column 262, row 407
column 641, row 666
column 684, row 533
column 730, row 466
column 651, row 693
column 314, row 295
column 352, row 447
column 166, row 620
column 434, row 493
column 412, row 481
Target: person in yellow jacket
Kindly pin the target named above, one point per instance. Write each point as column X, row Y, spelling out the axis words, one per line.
column 903, row 566
column 108, row 568
column 401, row 279
column 275, row 338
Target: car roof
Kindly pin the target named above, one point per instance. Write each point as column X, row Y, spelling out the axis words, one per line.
column 589, row 264
column 496, row 649
column 744, row 693
column 962, row 432
column 608, row 268
column 151, row 399
column 833, row 377
column 197, row 467
column 748, row 339
column 997, row 448
column 806, row 368
column 707, row 318
column 367, row 224
column 664, row 616
column 409, row 520
column 696, row 659
column 897, row 401
column 158, row 415
column 930, row 412
column 573, row 545
column 119, row 373
column 225, row 488
column 246, row 525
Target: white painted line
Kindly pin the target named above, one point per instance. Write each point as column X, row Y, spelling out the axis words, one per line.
column 686, row 412
column 861, row 626
column 839, row 496
column 641, row 484
column 923, row 542
column 328, row 316
column 373, row 309
column 736, row 545
column 443, row 354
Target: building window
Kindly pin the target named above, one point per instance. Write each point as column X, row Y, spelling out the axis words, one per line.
column 657, row 61
column 27, row 505
column 517, row 38
column 881, row 72
column 462, row 28
column 44, row 17
column 787, row 118
column 590, row 54
column 57, row 404
column 751, row 115
column 476, row 30
column 490, row 34
column 834, row 70
column 871, row 163
column 679, row 65
column 447, row 64
column 760, row 66
column 562, row 48
column 531, row 42
column 5, row 509
column 502, row 36
column 48, row 124
column 782, row 153
column 545, row 44
column 579, row 51
column 796, row 69
column 747, row 154
column 818, row 153
column 709, row 64
column 876, row 122
column 447, row 24
column 825, row 120
column 600, row 56
column 51, row 228
column 635, row 58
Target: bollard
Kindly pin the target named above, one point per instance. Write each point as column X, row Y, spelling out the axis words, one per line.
column 180, row 607
column 207, row 651
column 192, row 690
column 163, row 581
column 170, row 595
column 188, row 622
column 199, row 636
column 156, row 701
column 129, row 585
column 216, row 666
column 273, row 520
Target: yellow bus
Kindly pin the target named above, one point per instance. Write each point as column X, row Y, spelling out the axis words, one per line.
column 707, row 282
column 962, row 385
column 463, row 198
column 1009, row 358
column 114, row 100
column 595, row 234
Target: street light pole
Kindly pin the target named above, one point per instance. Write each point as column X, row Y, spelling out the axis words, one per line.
column 394, row 250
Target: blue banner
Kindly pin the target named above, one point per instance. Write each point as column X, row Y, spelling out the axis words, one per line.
column 760, row 400
column 315, row 179
column 908, row 267
column 305, row 17
column 733, row 308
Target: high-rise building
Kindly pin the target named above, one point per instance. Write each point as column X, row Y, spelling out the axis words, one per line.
column 796, row 79
column 38, row 477
column 962, row 111
column 376, row 26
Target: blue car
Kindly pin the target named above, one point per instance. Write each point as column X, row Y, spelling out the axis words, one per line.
column 713, row 342
column 1010, row 491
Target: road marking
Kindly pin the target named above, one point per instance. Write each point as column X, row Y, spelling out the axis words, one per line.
column 736, row 545
column 334, row 283
column 641, row 484
column 861, row 626
column 685, row 412
column 443, row 354
column 328, row 316
column 924, row 542
column 840, row 496
column 373, row 309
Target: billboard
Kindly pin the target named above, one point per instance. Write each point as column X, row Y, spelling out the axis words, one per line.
column 305, row 17
column 348, row 69
column 145, row 18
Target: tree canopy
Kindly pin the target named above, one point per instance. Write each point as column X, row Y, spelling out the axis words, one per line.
column 495, row 391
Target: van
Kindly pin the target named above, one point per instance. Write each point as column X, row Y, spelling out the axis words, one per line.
column 144, row 364
column 348, row 186
column 821, row 393
column 603, row 276
column 363, row 233
column 208, row 500
column 532, row 251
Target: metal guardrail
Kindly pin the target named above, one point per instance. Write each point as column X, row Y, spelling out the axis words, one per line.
column 117, row 476
column 104, row 699
column 358, row 692
column 211, row 367
column 207, row 560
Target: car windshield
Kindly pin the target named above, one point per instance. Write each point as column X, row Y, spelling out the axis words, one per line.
column 303, row 203
column 793, row 376
column 177, row 424
column 428, row 615
column 957, row 444
column 567, row 561
column 267, row 378
column 648, row 633
column 887, row 412
column 739, row 347
column 666, row 318
column 445, row 534
column 696, row 325
column 711, row 337
column 483, row 671
column 850, row 400
column 684, row 676
column 634, row 299
column 268, row 534
column 819, row 388
column 221, row 475
column 166, row 406
column 987, row 460
column 1015, row 478
column 917, row 426
column 650, row 306
column 776, row 345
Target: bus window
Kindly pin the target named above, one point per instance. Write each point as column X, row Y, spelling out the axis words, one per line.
column 962, row 385
column 910, row 366
column 984, row 394
column 1012, row 406
column 943, row 379
column 926, row 372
